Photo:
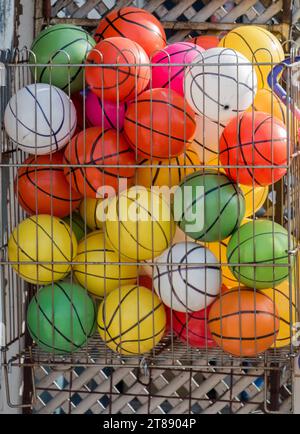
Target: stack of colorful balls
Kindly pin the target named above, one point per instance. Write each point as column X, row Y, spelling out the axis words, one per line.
column 193, row 115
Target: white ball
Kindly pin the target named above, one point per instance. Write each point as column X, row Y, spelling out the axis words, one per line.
column 40, row 119
column 220, row 84
column 207, row 138
column 187, row 277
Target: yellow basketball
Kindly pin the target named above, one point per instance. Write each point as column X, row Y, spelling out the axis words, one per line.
column 89, row 209
column 139, row 224
column 267, row 101
column 281, row 297
column 131, row 320
column 46, row 240
column 258, row 46
column 219, row 249
column 216, row 162
column 255, row 197
column 98, row 268
column 165, row 175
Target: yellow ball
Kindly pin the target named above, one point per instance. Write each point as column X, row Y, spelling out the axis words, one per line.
column 216, row 162
column 131, row 320
column 46, row 240
column 89, row 211
column 267, row 101
column 258, row 46
column 139, row 224
column 281, row 297
column 219, row 249
column 165, row 175
column 255, row 197
column 98, row 268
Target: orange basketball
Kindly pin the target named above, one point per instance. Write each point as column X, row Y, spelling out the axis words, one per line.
column 133, row 23
column 244, row 322
column 44, row 189
column 251, row 141
column 159, row 124
column 112, row 82
column 205, row 41
column 100, row 149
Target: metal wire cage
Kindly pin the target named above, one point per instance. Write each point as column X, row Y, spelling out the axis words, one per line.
column 170, row 356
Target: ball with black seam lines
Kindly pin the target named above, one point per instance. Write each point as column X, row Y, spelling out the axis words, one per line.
column 61, row 44
column 40, row 119
column 187, row 277
column 243, row 322
column 258, row 254
column 98, row 268
column 208, row 206
column 131, row 320
column 61, row 318
column 41, row 248
column 220, row 84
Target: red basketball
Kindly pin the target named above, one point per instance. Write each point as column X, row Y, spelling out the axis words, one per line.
column 112, row 82
column 99, row 149
column 254, row 139
column 205, row 41
column 159, row 124
column 191, row 328
column 44, row 189
column 133, row 23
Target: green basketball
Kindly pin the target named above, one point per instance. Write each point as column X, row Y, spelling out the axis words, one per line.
column 62, row 44
column 208, row 206
column 61, row 318
column 264, row 243
column 77, row 224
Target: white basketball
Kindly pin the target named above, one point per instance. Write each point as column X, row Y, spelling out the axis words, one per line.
column 187, row 277
column 220, row 84
column 40, row 119
column 207, row 138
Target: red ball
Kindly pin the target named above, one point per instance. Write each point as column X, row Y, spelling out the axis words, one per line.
column 135, row 24
column 253, row 140
column 45, row 190
column 205, row 41
column 159, row 124
column 191, row 328
column 113, row 82
column 145, row 280
column 99, row 149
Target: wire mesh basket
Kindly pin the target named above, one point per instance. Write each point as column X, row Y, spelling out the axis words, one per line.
column 171, row 353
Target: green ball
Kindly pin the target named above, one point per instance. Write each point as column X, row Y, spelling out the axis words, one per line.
column 61, row 318
column 77, row 224
column 216, row 204
column 259, row 242
column 74, row 41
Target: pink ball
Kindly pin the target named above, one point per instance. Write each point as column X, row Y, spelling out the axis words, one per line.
column 105, row 114
column 173, row 76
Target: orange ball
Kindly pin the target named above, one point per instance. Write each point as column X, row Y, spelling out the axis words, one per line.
column 100, row 149
column 253, row 140
column 135, row 24
column 117, row 83
column 159, row 124
column 44, row 189
column 205, row 41
column 244, row 322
